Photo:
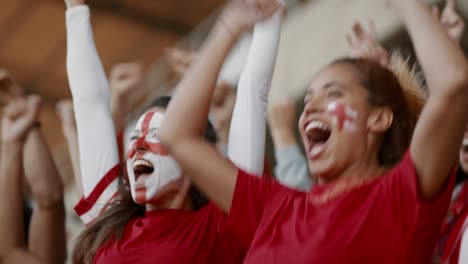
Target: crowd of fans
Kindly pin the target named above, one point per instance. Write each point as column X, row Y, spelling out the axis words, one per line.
column 381, row 176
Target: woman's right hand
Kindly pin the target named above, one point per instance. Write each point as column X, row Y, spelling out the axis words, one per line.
column 453, row 23
column 73, row 3
column 19, row 117
column 364, row 44
column 239, row 15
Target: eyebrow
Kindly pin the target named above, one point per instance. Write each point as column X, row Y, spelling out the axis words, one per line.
column 327, row 86
column 332, row 84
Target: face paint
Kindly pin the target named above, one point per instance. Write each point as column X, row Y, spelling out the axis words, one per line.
column 148, row 152
column 343, row 116
column 146, row 186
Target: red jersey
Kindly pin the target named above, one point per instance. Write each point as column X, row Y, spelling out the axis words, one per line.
column 162, row 236
column 454, row 226
column 171, row 236
column 383, row 220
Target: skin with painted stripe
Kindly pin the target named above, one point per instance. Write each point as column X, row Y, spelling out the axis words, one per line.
column 166, row 176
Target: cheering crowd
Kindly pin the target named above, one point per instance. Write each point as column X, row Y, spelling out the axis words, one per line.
column 382, row 177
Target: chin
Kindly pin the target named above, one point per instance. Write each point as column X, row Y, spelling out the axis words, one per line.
column 320, row 172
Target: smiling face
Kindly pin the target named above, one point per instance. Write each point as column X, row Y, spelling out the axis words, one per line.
column 151, row 172
column 464, row 152
column 334, row 124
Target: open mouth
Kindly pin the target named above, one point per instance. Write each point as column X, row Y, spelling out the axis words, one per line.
column 317, row 133
column 141, row 167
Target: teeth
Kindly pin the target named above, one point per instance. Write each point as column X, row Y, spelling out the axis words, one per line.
column 465, row 142
column 317, row 124
column 141, row 162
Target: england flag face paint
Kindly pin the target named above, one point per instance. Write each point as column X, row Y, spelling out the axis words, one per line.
column 149, row 167
column 343, row 116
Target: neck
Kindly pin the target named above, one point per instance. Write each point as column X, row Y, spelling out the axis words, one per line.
column 177, row 200
column 367, row 167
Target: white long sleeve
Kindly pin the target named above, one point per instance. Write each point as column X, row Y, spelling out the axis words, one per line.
column 463, row 256
column 96, row 134
column 246, row 147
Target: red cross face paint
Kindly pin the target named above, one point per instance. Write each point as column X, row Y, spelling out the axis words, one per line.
column 149, row 167
column 343, row 116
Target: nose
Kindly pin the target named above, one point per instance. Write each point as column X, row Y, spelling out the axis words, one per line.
column 313, row 106
column 141, row 145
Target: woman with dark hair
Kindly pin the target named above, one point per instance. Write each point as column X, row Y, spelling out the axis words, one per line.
column 152, row 211
column 384, row 176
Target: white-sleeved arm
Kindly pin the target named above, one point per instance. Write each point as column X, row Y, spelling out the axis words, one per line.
column 463, row 256
column 96, row 134
column 246, row 145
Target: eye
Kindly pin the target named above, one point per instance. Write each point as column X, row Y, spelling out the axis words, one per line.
column 153, row 132
column 135, row 135
column 335, row 94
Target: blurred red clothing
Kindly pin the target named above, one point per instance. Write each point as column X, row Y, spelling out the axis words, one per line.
column 171, row 236
column 454, row 226
column 162, row 236
column 383, row 220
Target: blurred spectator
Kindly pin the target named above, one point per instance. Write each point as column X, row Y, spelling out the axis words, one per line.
column 291, row 165
column 22, row 140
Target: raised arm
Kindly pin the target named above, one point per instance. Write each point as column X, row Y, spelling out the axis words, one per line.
column 182, row 136
column 67, row 117
column 439, row 131
column 47, row 227
column 18, row 118
column 246, row 145
column 291, row 166
column 90, row 90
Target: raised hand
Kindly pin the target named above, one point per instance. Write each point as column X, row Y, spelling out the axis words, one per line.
column 18, row 118
column 9, row 88
column 364, row 44
column 124, row 77
column 180, row 60
column 239, row 15
column 125, row 81
column 73, row 3
column 282, row 122
column 454, row 25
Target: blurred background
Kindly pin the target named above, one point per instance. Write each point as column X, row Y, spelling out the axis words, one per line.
column 33, row 41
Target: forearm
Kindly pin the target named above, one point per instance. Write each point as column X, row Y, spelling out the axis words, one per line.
column 441, row 59
column 11, row 213
column 247, row 133
column 41, row 172
column 188, row 111
column 20, row 255
column 119, row 120
column 446, row 71
column 90, row 90
column 283, row 138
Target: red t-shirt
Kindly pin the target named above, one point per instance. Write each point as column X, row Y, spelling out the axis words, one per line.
column 163, row 236
column 171, row 236
column 383, row 220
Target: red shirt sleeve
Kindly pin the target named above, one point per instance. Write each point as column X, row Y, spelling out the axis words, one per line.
column 250, row 197
column 416, row 214
column 91, row 207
